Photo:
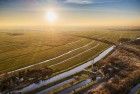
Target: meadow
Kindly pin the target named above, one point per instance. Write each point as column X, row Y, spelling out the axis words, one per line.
column 58, row 50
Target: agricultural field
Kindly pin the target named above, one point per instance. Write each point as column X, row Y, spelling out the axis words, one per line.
column 50, row 53
column 24, row 48
column 69, row 46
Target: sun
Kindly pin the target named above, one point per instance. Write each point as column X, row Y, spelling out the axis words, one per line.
column 51, row 16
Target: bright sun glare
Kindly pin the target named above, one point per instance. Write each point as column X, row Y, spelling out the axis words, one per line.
column 51, row 16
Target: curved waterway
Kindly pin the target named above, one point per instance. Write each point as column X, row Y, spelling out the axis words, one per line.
column 70, row 89
column 68, row 73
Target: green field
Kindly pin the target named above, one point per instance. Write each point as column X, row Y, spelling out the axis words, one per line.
column 21, row 48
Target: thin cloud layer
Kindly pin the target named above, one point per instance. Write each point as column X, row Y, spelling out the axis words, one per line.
column 79, row 1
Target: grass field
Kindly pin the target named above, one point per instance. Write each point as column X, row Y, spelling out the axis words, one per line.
column 21, row 48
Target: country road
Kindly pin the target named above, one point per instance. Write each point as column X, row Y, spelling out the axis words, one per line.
column 68, row 73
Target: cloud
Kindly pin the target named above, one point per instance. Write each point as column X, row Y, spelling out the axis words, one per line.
column 79, row 1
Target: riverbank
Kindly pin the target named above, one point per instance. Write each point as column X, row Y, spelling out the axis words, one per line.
column 68, row 73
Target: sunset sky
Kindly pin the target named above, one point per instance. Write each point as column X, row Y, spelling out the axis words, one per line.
column 70, row 12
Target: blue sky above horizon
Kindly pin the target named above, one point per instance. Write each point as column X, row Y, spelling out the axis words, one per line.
column 74, row 11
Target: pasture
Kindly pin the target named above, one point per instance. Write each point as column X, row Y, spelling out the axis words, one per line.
column 58, row 50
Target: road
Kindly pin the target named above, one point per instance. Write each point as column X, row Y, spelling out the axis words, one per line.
column 68, row 73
